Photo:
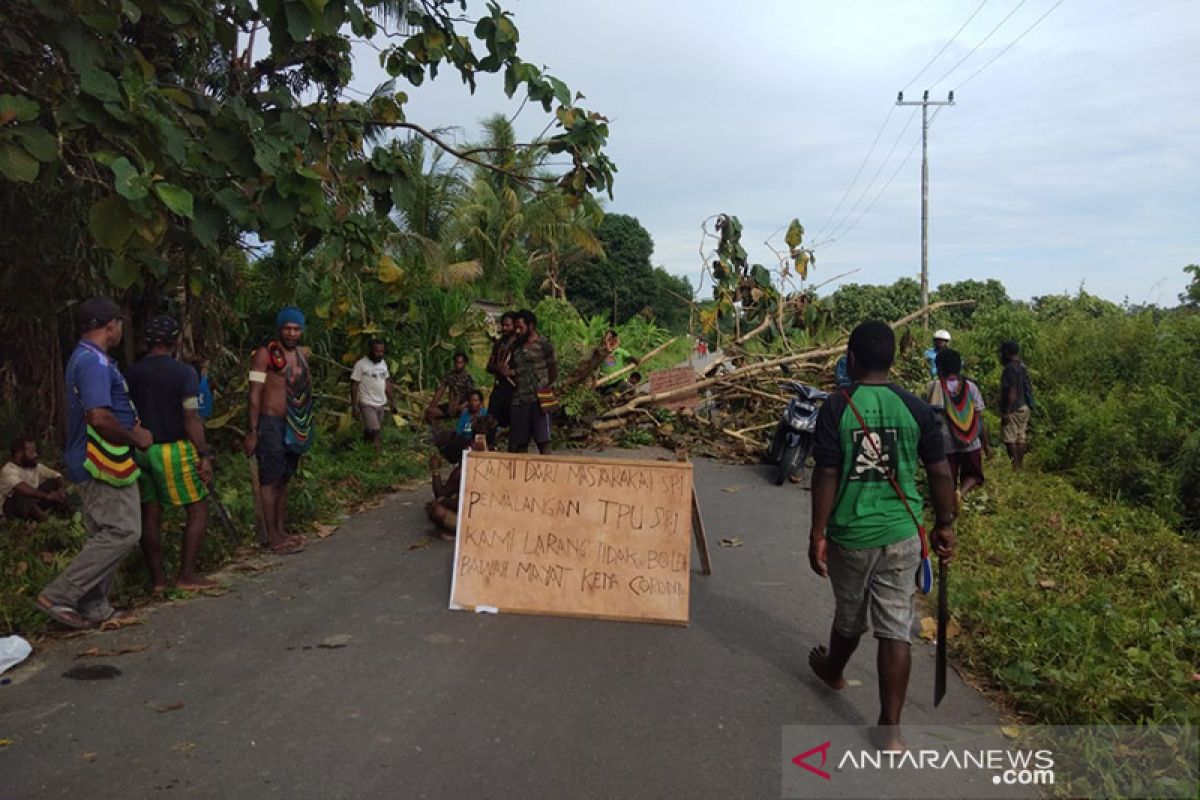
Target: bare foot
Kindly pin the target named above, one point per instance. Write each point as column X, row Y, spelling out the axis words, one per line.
column 158, row 590
column 887, row 737
column 196, row 584
column 818, row 659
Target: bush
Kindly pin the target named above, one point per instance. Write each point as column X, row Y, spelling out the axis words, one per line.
column 334, row 477
column 1084, row 611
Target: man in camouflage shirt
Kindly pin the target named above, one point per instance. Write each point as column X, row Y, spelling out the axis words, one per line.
column 533, row 366
column 456, row 387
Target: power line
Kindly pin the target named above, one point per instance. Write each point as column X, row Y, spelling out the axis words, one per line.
column 1010, row 45
column 981, row 44
column 945, row 46
column 857, row 174
column 837, row 228
column 875, row 200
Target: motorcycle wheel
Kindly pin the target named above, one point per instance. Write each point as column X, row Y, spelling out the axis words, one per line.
column 775, row 450
column 786, row 462
column 802, row 457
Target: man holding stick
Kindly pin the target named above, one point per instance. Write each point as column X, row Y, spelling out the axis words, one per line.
column 866, row 535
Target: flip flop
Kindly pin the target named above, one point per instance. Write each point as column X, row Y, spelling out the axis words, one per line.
column 287, row 547
column 64, row 615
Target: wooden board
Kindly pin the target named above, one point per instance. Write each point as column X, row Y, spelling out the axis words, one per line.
column 573, row 536
column 664, row 380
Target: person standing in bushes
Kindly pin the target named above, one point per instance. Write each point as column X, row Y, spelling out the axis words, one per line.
column 102, row 432
column 963, row 431
column 533, row 370
column 177, row 468
column 500, row 404
column 281, row 422
column 941, row 340
column 1016, row 398
column 371, row 391
column 865, row 534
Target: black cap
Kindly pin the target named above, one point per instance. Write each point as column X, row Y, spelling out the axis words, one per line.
column 96, row 312
column 162, row 330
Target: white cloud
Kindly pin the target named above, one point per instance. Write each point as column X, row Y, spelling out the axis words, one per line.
column 1071, row 159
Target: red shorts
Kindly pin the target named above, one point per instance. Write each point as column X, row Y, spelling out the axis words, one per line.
column 966, row 464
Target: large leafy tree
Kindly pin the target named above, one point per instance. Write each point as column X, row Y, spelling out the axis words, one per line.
column 140, row 140
column 624, row 282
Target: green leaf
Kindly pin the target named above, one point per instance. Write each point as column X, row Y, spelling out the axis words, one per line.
column 22, row 109
column 795, row 234
column 561, row 93
column 278, row 212
column 299, row 21
column 176, row 198
column 131, row 10
column 207, row 224
column 128, row 182
column 38, row 142
column 102, row 23
column 16, row 164
column 176, row 15
column 100, row 85
column 111, row 223
column 123, row 273
column 177, row 96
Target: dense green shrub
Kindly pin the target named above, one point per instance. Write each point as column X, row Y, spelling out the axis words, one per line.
column 1083, row 610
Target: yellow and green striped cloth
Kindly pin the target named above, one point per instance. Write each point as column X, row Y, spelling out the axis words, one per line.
column 169, row 475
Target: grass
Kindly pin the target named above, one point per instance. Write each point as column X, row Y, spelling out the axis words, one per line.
column 1083, row 611
column 338, row 474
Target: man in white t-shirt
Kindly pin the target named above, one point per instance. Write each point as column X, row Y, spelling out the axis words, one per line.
column 29, row 489
column 370, row 390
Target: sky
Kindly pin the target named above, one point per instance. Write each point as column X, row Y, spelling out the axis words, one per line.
column 1071, row 160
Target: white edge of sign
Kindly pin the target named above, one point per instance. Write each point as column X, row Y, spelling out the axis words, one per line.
column 458, row 523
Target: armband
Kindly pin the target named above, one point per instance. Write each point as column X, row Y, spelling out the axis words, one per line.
column 257, row 376
column 191, row 404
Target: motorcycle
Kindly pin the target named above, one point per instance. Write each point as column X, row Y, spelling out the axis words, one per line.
column 792, row 442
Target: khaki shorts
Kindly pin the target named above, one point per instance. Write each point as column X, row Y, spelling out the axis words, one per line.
column 880, row 581
column 1015, row 428
column 372, row 416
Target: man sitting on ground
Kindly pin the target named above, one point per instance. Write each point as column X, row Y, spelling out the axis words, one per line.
column 443, row 509
column 28, row 490
column 455, row 387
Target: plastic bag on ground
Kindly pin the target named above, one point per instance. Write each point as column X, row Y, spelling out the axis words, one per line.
column 13, row 650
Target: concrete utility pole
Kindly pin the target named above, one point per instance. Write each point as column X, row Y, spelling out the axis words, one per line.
column 925, row 103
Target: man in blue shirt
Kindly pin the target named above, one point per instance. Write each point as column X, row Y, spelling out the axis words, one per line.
column 102, row 429
column 941, row 340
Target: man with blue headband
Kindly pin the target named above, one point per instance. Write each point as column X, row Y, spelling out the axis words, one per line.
column 281, row 422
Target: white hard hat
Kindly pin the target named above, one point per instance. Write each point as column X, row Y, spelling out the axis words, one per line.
column 941, row 334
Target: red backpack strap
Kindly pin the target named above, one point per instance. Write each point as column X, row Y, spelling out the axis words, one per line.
column 869, row 437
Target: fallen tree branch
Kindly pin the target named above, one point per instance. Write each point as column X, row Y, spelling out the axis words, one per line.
column 625, row 370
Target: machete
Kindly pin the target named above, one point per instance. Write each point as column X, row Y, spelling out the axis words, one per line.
column 939, row 673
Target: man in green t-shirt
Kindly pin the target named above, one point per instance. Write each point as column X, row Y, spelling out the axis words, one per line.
column 864, row 536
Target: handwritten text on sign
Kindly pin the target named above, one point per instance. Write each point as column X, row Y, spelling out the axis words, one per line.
column 594, row 537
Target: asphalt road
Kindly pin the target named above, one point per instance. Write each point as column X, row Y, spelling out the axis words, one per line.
column 426, row 702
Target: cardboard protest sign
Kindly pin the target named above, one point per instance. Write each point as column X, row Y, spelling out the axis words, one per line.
column 572, row 536
column 664, row 380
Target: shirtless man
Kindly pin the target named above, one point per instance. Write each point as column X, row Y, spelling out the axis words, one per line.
column 280, row 422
